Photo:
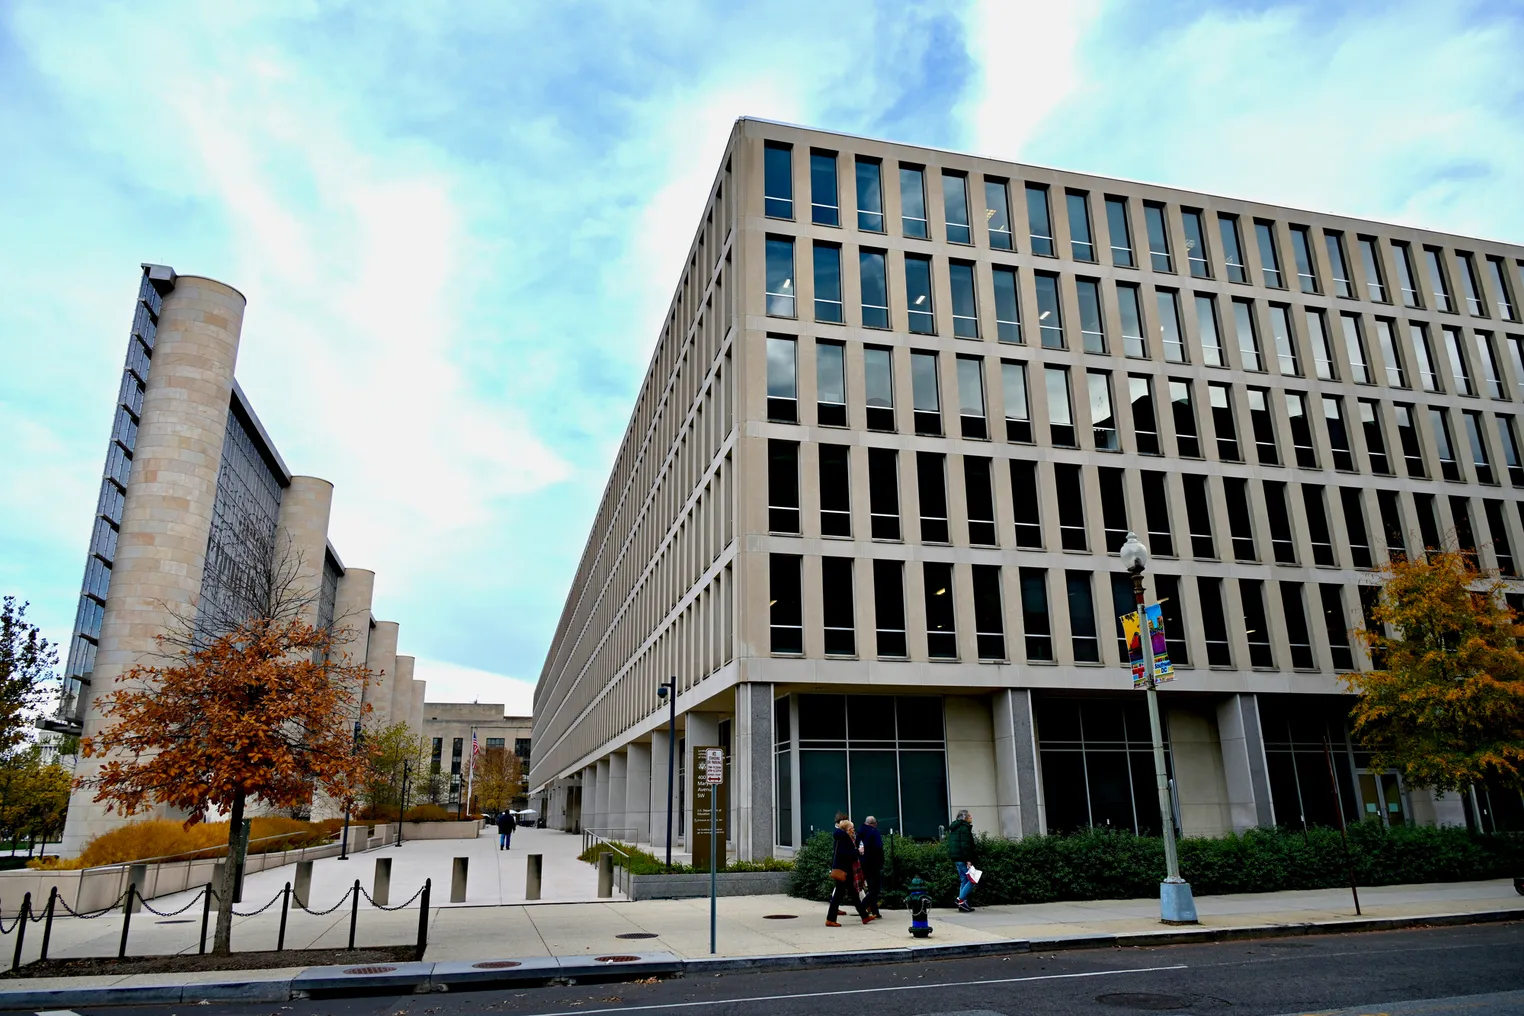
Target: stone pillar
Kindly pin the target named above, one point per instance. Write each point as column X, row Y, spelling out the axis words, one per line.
column 301, row 540
column 400, row 695
column 970, row 759
column 639, row 791
column 381, row 658
column 1016, row 769
column 616, row 821
column 601, row 806
column 167, row 515
column 660, row 747
column 1243, row 763
column 416, row 710
column 751, row 773
column 699, row 730
column 351, row 614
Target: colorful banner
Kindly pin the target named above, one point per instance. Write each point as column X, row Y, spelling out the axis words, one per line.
column 1163, row 670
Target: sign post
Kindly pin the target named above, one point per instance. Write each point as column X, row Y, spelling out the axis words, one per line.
column 714, row 776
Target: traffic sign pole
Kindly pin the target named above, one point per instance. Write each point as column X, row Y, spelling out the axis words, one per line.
column 714, row 775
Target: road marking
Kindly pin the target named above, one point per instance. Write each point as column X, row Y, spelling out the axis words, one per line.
column 864, row 991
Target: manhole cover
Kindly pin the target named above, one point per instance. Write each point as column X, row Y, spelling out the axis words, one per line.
column 370, row 970
column 177, row 920
column 780, row 917
column 497, row 964
column 615, row 959
column 1149, row 1001
column 637, row 934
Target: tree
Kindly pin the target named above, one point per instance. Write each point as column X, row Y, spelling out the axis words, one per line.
column 261, row 711
column 1446, row 709
column 34, row 796
column 393, row 752
column 498, row 775
column 26, row 669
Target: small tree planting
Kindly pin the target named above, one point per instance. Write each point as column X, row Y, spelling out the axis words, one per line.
column 497, row 779
column 392, row 753
column 26, row 669
column 1447, row 708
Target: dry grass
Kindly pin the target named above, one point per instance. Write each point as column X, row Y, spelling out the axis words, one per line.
column 166, row 839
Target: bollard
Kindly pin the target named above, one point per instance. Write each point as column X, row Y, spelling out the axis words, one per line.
column 285, row 907
column 301, row 889
column 381, row 888
column 21, row 919
column 217, row 870
column 458, row 880
column 605, row 875
column 47, row 927
column 423, row 919
column 354, row 914
column 206, row 914
column 532, row 873
column 127, row 909
column 137, row 874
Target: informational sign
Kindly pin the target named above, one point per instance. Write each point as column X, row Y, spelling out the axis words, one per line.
column 1163, row 669
column 709, row 795
column 714, row 766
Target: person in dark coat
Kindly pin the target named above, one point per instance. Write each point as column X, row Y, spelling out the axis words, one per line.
column 960, row 851
column 844, row 859
column 506, row 824
column 870, row 846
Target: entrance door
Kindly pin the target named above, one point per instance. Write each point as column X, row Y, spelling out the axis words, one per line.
column 1381, row 798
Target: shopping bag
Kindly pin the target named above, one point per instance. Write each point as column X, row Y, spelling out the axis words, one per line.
column 974, row 874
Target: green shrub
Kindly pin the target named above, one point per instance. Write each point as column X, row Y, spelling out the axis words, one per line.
column 1101, row 864
column 641, row 862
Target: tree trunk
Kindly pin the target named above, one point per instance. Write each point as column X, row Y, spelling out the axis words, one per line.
column 222, row 943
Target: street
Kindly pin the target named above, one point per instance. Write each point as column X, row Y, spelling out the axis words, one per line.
column 1478, row 970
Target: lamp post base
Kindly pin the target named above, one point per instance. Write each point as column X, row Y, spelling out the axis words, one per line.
column 1176, row 904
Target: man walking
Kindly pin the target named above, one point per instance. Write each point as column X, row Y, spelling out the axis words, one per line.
column 960, row 850
column 871, row 845
column 506, row 824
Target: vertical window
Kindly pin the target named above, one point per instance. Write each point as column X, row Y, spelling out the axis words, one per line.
column 979, row 494
column 1198, row 515
column 1121, row 234
column 1479, row 458
column 1439, row 419
column 1220, row 398
column 1428, row 521
column 1240, row 523
column 1285, row 340
column 1113, row 508
column 1034, row 614
column 1472, row 285
column 913, row 203
column 1301, row 249
column 1391, row 524
column 1248, row 338
column 1375, row 284
column 997, row 211
column 1232, row 249
column 1497, row 529
column 783, row 486
column 1214, row 622
column 870, row 196
column 918, row 295
column 1402, row 257
column 828, row 283
column 1092, row 334
column 1298, row 639
column 1071, row 506
column 1145, row 427
column 1338, row 433
column 889, row 608
column 1317, row 337
column 926, row 399
column 989, row 620
column 1206, row 324
column 1515, row 346
column 965, row 309
column 1375, row 442
column 1158, row 238
column 1007, row 308
column 1318, row 532
column 1490, row 373
column 875, row 288
column 1509, row 441
column 1439, row 279
column 1301, row 430
column 835, row 491
column 1081, row 243
column 1407, row 436
column 786, row 608
column 1024, row 504
column 1169, row 325
column 1465, row 536
column 955, row 207
column 1087, row 643
column 1060, row 415
column 971, row 413
column 782, row 380
column 1187, row 443
column 941, row 634
column 825, row 206
column 1428, row 374
column 884, row 493
column 1354, row 348
column 1131, row 312
column 1039, row 221
column 1049, row 318
column 778, row 181
column 1161, row 540
column 1500, row 286
column 780, row 277
column 1018, row 417
column 1391, row 354
column 1263, row 424
column 1123, row 602
column 1278, row 520
column 1256, row 623
column 836, row 612
column 1269, row 260
column 1460, row 372
column 1337, row 264
column 878, row 384
column 830, row 384
column 1354, row 526
column 1167, row 587
column 1195, row 243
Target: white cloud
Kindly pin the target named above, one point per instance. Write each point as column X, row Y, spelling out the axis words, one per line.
column 451, row 682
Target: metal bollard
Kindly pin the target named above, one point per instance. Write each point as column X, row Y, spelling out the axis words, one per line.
column 47, row 927
column 21, row 919
column 206, row 914
column 285, row 908
column 217, row 870
column 301, row 889
column 137, row 874
column 458, row 880
column 127, row 909
column 532, row 876
column 423, row 919
column 381, row 887
column 605, row 875
column 354, row 913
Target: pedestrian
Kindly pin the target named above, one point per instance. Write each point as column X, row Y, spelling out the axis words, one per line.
column 844, row 873
column 960, row 850
column 870, row 845
column 506, row 824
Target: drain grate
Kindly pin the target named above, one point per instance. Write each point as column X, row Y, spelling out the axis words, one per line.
column 615, row 959
column 780, row 917
column 637, row 934
column 497, row 965
column 370, row 970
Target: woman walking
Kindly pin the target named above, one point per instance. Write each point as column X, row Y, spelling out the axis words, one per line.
column 844, row 872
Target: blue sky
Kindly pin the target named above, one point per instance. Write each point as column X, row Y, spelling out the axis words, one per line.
column 458, row 232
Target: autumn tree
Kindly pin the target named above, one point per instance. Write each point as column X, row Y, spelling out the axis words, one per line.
column 1446, row 709
column 392, row 753
column 499, row 774
column 34, row 796
column 26, row 670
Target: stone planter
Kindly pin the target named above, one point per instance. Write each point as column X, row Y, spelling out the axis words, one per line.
column 467, row 830
column 685, row 887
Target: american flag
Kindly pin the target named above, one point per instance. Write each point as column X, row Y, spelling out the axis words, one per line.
column 474, row 748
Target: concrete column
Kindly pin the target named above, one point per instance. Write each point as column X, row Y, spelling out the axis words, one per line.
column 590, row 816
column 351, row 613
column 660, row 747
column 1243, row 763
column 167, row 516
column 639, row 791
column 301, row 540
column 1437, row 808
column 416, row 710
column 381, row 658
column 1200, row 783
column 701, row 729
column 1016, row 769
column 603, row 795
column 751, row 772
column 970, row 758
column 399, row 694
column 616, row 821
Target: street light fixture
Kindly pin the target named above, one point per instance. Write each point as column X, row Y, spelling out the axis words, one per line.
column 344, row 843
column 1176, row 905
column 667, row 691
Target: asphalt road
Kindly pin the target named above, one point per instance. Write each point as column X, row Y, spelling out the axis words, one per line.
column 1478, row 971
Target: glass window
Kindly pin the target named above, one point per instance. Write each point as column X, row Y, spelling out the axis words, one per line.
column 1375, row 442
column 1007, row 307
column 1407, row 435
column 1256, row 625
column 1386, row 337
column 1018, row 418
column 1235, row 492
column 1198, row 515
column 1121, row 234
column 889, row 608
column 875, row 288
column 1050, row 322
column 878, row 384
column 1439, row 279
column 1428, row 520
column 1444, row 449
column 1502, row 289
column 1082, row 629
column 825, row 206
column 979, row 494
column 1301, row 430
column 1034, row 614
column 1460, row 372
column 778, row 181
column 1039, row 221
column 1122, row 603
column 1475, row 305
column 1145, row 427
column 1248, row 338
column 1479, row 458
column 1269, row 260
column 1131, row 312
column 1262, row 422
column 1375, row 284
column 918, row 295
column 1232, row 250
column 1337, row 263
column 836, row 606
column 835, row 490
column 931, row 485
column 1338, row 433
column 1060, row 415
column 830, row 384
column 1402, row 258
column 1195, row 243
column 913, row 203
column 1354, row 348
column 1301, row 249
column 1354, row 526
column 1497, row 530
column 1427, row 373
column 1103, row 419
column 1285, row 340
column 828, row 283
column 1516, row 356
column 785, row 604
column 1114, row 525
column 1220, row 398
column 1491, row 375
column 1317, row 336
column 1169, row 325
column 926, row 401
column 1024, row 504
column 783, row 486
column 1508, row 440
column 1176, row 637
column 1187, row 442
column 997, row 211
column 965, row 309
column 989, row 621
column 971, row 398
column 1214, row 622
column 1336, row 626
column 1298, row 640
column 884, row 493
column 782, row 380
column 955, row 207
column 1391, row 524
column 780, row 277
column 1158, row 238
column 1080, row 240
column 870, row 196
column 1206, row 325
column 1092, row 333
column 1156, row 513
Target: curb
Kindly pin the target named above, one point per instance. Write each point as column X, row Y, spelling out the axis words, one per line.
column 457, row 975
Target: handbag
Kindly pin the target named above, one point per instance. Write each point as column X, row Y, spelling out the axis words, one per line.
column 974, row 874
column 838, row 875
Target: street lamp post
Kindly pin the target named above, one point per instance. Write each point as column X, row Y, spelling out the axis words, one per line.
column 344, row 843
column 1176, row 905
column 668, row 690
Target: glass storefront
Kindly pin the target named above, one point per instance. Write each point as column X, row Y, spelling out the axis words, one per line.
column 1098, row 764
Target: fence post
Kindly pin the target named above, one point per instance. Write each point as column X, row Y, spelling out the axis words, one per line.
column 532, row 873
column 458, row 880
column 206, row 913
column 381, row 886
column 423, row 918
column 47, row 926
column 132, row 888
column 137, row 874
column 303, row 888
column 354, row 913
column 285, row 905
column 21, row 919
column 605, row 875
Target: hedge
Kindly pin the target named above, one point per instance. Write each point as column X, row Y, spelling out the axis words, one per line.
column 641, row 862
column 1099, row 864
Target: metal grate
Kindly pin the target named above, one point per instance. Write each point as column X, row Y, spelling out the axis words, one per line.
column 637, row 934
column 615, row 959
column 369, row 970
column 497, row 965
column 780, row 917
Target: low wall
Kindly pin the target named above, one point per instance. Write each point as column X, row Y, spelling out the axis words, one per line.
column 467, row 830
column 685, row 887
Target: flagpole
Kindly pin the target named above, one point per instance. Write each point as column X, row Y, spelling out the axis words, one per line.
column 471, row 772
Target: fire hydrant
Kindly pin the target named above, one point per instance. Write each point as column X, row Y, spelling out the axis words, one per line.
column 920, row 909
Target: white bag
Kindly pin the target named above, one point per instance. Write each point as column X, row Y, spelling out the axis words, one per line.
column 974, row 874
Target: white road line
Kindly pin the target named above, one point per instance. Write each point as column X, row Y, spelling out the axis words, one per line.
column 863, row 991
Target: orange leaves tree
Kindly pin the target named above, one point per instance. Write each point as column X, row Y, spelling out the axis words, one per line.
column 262, row 712
column 1446, row 706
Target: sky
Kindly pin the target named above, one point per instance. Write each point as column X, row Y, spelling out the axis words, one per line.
column 458, row 227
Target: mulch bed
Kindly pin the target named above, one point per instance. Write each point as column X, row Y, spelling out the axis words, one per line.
column 87, row 965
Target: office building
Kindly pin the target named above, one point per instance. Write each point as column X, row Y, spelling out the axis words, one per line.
column 447, row 730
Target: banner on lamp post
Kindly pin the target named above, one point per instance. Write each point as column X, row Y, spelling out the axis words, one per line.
column 1132, row 631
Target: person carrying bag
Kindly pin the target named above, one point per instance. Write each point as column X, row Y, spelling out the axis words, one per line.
column 843, row 873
